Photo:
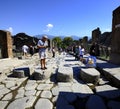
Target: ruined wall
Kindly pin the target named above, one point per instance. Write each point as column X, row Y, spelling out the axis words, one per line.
column 96, row 35
column 115, row 41
column 5, row 44
column 116, row 18
column 85, row 42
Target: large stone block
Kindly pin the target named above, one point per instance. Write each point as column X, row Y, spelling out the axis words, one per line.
column 90, row 75
column 38, row 74
column 21, row 72
column 65, row 74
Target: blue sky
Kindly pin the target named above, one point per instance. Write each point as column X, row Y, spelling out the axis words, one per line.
column 57, row 17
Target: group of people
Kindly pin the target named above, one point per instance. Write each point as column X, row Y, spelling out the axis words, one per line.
column 42, row 45
column 79, row 52
column 90, row 61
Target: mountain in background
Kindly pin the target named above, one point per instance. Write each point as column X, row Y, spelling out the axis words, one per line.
column 62, row 37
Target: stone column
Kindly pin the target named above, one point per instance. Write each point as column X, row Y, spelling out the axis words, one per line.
column 6, row 44
column 115, row 42
column 96, row 35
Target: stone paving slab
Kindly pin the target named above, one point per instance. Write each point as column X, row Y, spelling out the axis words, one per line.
column 110, row 71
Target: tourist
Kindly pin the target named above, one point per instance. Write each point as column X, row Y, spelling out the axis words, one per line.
column 31, row 50
column 42, row 45
column 81, row 52
column 94, row 50
column 76, row 52
column 53, row 52
column 25, row 49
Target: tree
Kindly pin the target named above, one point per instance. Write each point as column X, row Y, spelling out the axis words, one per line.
column 57, row 41
column 67, row 41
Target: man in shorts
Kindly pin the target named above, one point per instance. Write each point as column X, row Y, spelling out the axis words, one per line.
column 42, row 45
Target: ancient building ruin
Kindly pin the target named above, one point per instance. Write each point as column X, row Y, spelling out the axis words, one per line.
column 85, row 42
column 5, row 44
column 115, row 42
column 96, row 35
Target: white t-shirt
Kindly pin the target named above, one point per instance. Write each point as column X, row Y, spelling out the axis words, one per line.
column 41, row 43
column 25, row 48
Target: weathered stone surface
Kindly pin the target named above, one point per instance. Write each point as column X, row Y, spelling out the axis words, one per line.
column 30, row 92
column 43, row 104
column 1, row 86
column 65, row 74
column 96, row 35
column 55, row 90
column 38, row 74
column 115, row 49
column 44, row 86
column 81, row 90
column 22, row 103
column 18, row 73
column 20, row 93
column 3, row 104
column 113, row 105
column 46, row 94
column 21, row 72
column 6, row 44
column 8, row 97
column 115, row 42
column 95, row 102
column 31, row 86
column 4, row 91
column 90, row 75
column 107, row 91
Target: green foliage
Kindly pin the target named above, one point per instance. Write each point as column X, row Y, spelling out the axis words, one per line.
column 57, row 41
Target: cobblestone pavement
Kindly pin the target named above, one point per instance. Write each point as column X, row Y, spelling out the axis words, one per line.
column 48, row 93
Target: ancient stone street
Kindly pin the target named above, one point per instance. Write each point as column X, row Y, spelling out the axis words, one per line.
column 61, row 86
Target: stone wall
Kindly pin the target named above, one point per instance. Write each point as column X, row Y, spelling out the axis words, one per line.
column 96, row 35
column 116, row 18
column 85, row 42
column 5, row 44
column 115, row 42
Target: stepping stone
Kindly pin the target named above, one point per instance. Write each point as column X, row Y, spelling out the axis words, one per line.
column 21, row 72
column 90, row 75
column 38, row 74
column 65, row 74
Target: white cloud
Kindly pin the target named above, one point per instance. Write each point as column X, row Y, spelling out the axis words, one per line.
column 48, row 27
column 10, row 29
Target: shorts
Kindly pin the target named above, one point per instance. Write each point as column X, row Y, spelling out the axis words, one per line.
column 42, row 55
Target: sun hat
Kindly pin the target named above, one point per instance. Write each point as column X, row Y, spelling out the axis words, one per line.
column 45, row 37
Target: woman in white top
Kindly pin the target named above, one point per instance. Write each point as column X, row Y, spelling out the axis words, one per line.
column 81, row 52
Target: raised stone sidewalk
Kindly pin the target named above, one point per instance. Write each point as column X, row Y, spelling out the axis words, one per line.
column 110, row 71
column 48, row 93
